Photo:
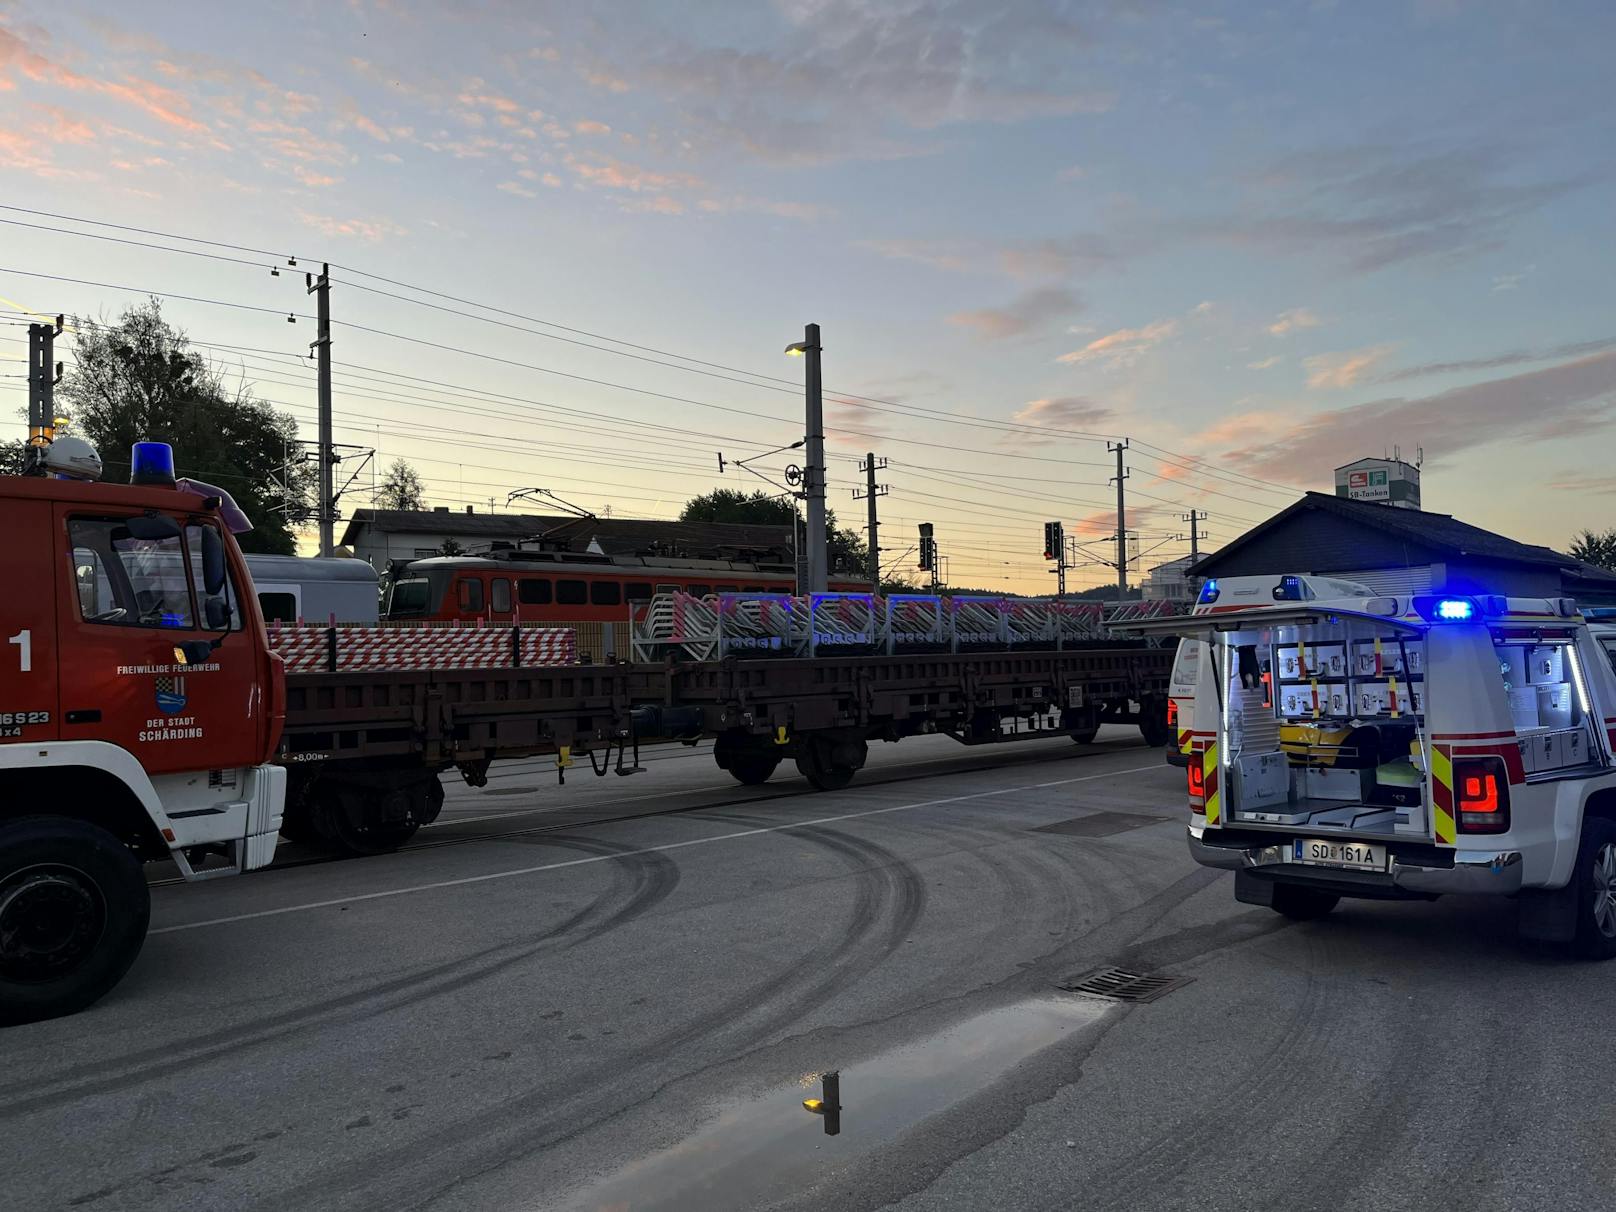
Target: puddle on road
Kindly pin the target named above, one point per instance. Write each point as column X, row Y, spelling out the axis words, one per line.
column 758, row 1149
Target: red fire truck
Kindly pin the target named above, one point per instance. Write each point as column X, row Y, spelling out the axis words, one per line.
column 139, row 708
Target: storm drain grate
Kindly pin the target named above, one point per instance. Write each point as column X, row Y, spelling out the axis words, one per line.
column 1120, row 985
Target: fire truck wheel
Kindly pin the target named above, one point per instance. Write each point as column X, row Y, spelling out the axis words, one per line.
column 1302, row 904
column 74, row 908
column 1595, row 883
column 752, row 769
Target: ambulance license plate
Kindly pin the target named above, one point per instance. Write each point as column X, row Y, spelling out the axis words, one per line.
column 1356, row 856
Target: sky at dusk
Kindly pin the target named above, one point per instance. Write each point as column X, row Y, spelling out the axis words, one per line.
column 1258, row 240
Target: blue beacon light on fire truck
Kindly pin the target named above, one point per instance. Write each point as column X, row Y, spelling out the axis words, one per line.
column 151, row 463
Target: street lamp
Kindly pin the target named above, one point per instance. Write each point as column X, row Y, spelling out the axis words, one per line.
column 814, row 472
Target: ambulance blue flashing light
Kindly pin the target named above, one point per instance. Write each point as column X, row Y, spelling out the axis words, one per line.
column 1209, row 592
column 1289, row 589
column 152, row 463
column 1455, row 610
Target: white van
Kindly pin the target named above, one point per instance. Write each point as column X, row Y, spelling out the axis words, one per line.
column 1403, row 748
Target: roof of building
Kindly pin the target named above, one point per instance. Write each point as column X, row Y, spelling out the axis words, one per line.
column 1428, row 537
column 1177, row 567
column 615, row 536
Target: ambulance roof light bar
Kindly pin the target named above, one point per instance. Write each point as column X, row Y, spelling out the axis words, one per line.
column 1447, row 609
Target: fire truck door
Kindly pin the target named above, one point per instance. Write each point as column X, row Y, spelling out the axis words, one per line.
column 132, row 593
column 28, row 704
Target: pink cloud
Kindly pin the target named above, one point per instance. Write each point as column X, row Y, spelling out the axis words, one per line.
column 588, row 126
column 64, row 127
column 1123, row 347
column 370, row 127
column 805, row 212
column 369, row 230
column 1062, row 412
column 311, row 178
column 1025, row 314
column 1293, row 320
column 1334, row 371
column 661, row 204
column 1572, row 399
column 609, row 173
column 159, row 102
column 1243, row 428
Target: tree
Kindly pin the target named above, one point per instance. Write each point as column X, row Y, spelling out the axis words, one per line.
column 730, row 505
column 1596, row 548
column 139, row 380
column 845, row 550
column 11, row 452
column 451, row 547
column 400, row 488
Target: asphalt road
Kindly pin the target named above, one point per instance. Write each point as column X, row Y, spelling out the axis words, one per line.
column 616, row 995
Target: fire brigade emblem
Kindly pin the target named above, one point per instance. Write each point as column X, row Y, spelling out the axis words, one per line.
column 171, row 695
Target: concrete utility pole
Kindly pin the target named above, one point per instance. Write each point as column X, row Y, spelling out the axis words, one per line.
column 321, row 288
column 814, row 473
column 1122, row 519
column 1194, row 518
column 43, row 374
column 872, row 490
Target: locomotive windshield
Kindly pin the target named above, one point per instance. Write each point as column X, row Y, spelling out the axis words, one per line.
column 409, row 597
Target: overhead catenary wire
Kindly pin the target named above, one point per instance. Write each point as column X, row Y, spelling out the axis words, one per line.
column 1199, row 465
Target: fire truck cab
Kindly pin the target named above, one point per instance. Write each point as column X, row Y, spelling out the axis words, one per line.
column 1404, row 748
column 139, row 708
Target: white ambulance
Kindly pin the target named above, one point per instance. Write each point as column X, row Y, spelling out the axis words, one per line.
column 1349, row 744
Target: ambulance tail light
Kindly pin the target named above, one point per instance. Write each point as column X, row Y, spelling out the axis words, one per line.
column 1172, row 713
column 1197, row 779
column 1481, row 795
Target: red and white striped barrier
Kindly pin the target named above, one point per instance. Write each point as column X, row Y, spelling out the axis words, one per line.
column 308, row 649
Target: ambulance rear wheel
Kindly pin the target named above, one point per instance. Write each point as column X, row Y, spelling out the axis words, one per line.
column 74, row 908
column 1595, row 884
column 1302, row 904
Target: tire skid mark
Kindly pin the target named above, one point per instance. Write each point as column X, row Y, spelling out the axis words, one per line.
column 1265, row 1100
column 877, row 779
column 640, row 881
column 883, row 907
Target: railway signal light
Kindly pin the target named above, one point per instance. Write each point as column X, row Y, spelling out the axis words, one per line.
column 928, row 548
column 1054, row 540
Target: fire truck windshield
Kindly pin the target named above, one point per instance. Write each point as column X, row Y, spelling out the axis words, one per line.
column 128, row 581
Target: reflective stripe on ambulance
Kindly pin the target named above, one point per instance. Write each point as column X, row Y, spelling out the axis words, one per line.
column 1442, row 795
column 1209, row 775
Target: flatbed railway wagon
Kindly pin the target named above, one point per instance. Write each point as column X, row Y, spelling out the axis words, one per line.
column 365, row 748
